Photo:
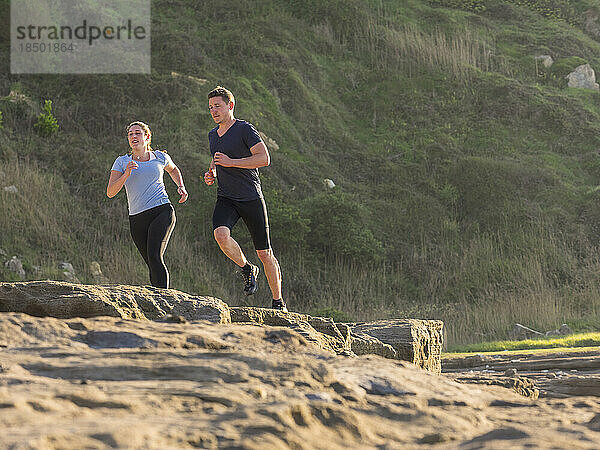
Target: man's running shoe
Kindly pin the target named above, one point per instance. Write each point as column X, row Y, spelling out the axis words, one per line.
column 249, row 273
column 280, row 305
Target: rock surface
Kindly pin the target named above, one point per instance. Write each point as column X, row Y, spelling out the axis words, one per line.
column 583, row 77
column 556, row 374
column 68, row 300
column 109, row 382
column 417, row 341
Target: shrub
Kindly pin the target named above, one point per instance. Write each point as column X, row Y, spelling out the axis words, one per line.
column 340, row 226
column 552, row 9
column 288, row 228
column 469, row 5
column 18, row 111
column 47, row 123
column 336, row 315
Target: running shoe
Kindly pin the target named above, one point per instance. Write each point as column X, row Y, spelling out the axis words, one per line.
column 250, row 282
column 280, row 305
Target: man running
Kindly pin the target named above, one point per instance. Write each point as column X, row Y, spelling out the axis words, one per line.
column 237, row 152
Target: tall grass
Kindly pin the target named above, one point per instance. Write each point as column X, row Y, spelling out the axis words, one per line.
column 411, row 50
column 479, row 291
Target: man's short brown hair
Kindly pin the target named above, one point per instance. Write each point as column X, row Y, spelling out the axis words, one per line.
column 225, row 94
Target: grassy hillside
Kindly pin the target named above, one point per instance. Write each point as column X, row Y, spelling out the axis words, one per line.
column 466, row 173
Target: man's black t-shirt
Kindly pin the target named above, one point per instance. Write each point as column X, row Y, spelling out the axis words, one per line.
column 235, row 183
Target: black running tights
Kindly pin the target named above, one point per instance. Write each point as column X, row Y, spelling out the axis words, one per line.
column 151, row 230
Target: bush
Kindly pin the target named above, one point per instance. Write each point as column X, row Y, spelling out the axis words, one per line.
column 18, row 109
column 494, row 192
column 336, row 315
column 288, row 228
column 47, row 123
column 340, row 226
column 0, row 120
column 469, row 5
column 552, row 9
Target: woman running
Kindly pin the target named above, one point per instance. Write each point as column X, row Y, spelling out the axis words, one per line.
column 151, row 215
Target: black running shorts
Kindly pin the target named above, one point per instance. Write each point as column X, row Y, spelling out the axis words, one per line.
column 253, row 213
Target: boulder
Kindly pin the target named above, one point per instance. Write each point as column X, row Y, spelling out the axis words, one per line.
column 583, row 77
column 68, row 272
column 97, row 274
column 563, row 330
column 269, row 142
column 546, row 60
column 68, row 300
column 417, row 341
column 15, row 265
column 364, row 344
column 320, row 331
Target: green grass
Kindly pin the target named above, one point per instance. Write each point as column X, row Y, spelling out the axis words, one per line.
column 466, row 180
column 571, row 341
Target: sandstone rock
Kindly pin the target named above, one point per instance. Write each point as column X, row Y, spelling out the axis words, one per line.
column 322, row 332
column 15, row 265
column 583, row 77
column 546, row 60
column 364, row 344
column 68, row 272
column 594, row 423
column 328, row 183
column 108, row 382
column 416, row 341
column 510, row 372
column 269, row 142
column 571, row 386
column 562, row 331
column 521, row 332
column 67, row 300
column 521, row 385
column 565, row 329
column 97, row 274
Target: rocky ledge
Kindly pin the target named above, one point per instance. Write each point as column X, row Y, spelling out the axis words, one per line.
column 416, row 341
